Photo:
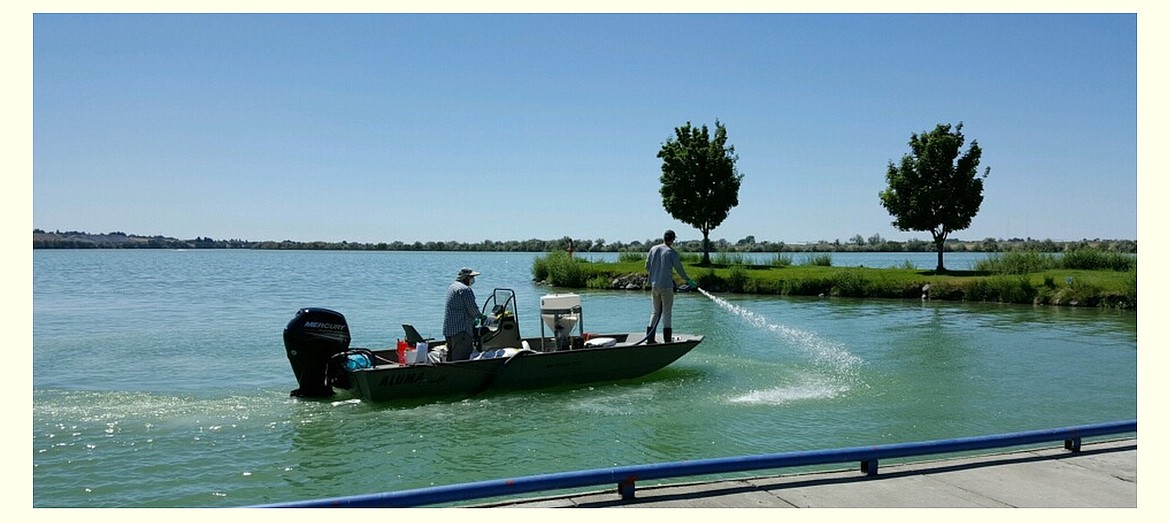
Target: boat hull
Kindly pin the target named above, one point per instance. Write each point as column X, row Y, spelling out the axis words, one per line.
column 524, row 370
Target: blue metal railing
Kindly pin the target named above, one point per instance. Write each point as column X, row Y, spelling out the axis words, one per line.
column 625, row 477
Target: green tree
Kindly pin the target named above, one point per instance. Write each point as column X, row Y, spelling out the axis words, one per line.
column 934, row 188
column 700, row 184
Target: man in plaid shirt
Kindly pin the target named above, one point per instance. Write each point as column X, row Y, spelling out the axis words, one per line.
column 460, row 316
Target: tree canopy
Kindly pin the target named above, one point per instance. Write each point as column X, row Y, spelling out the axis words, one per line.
column 934, row 188
column 700, row 183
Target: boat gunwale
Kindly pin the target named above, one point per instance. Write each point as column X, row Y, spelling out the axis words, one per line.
column 362, row 380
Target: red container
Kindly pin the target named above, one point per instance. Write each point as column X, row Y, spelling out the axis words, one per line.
column 402, row 346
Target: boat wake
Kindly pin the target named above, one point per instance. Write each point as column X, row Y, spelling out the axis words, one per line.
column 624, row 401
column 840, row 367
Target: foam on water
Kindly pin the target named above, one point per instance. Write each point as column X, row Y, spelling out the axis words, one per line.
column 789, row 394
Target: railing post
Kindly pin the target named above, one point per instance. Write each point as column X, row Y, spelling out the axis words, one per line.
column 1072, row 444
column 626, row 488
column 869, row 466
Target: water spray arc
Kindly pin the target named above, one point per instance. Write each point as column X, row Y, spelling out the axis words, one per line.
column 820, row 348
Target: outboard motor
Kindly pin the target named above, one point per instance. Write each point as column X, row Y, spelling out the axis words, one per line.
column 311, row 339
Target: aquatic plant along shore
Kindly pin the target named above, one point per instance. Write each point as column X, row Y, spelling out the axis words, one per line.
column 1078, row 278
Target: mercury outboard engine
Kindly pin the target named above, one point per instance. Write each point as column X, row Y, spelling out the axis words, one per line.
column 311, row 339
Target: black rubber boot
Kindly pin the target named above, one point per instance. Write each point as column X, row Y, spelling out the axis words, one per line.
column 666, row 338
column 650, row 335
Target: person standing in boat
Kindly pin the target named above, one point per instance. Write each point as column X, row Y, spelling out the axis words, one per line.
column 460, row 316
column 661, row 263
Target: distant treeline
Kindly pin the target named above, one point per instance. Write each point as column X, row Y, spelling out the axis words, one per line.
column 120, row 240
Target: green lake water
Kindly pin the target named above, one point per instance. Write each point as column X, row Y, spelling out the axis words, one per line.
column 160, row 378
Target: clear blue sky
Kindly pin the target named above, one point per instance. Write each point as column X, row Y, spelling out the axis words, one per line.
column 408, row 127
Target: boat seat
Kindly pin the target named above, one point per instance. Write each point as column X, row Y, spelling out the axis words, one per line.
column 412, row 335
column 505, row 334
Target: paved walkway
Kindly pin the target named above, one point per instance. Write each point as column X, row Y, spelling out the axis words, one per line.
column 1101, row 475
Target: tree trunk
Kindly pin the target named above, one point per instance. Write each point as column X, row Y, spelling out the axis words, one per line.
column 938, row 246
column 706, row 249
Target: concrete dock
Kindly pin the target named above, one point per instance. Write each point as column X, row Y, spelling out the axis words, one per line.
column 1102, row 475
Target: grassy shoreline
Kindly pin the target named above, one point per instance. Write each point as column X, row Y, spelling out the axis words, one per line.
column 1005, row 279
